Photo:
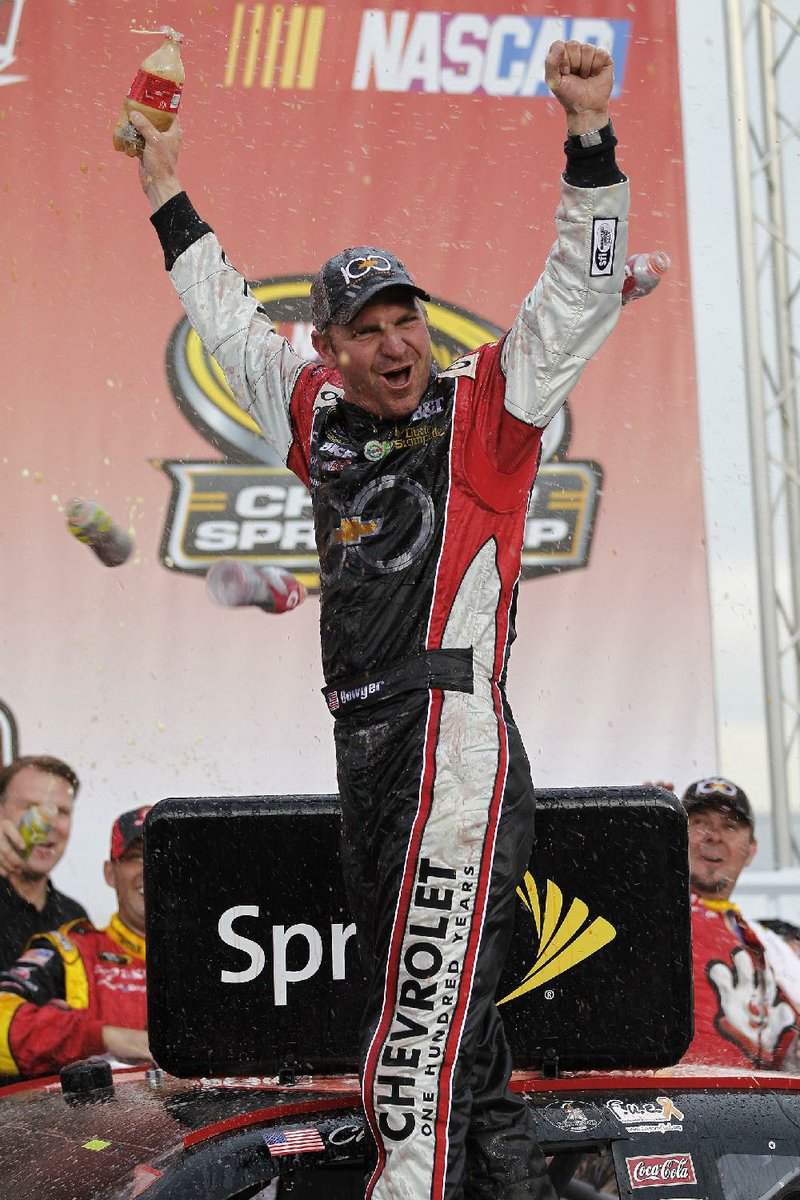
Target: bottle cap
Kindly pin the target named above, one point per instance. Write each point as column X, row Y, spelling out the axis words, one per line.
column 164, row 31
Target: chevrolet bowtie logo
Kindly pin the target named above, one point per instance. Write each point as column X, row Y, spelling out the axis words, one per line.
column 716, row 787
column 563, row 941
column 353, row 529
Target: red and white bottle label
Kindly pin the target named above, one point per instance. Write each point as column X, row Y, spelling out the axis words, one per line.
column 155, row 92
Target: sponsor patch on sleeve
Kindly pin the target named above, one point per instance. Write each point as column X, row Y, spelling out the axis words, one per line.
column 604, row 245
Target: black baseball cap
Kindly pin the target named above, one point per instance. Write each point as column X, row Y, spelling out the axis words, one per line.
column 716, row 792
column 345, row 283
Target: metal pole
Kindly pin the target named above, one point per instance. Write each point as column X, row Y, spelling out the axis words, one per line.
column 786, row 382
column 758, row 443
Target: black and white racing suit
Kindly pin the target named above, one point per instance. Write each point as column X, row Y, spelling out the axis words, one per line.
column 419, row 527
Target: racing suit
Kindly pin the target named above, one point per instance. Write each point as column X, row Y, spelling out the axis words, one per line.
column 742, row 1016
column 419, row 527
column 68, row 984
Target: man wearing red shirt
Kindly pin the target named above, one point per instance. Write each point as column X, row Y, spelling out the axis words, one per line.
column 744, row 1017
column 79, row 991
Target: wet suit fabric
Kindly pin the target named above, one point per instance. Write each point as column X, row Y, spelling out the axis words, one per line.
column 419, row 527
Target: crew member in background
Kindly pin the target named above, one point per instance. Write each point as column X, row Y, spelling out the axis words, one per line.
column 79, row 991
column 29, row 903
column 746, row 1001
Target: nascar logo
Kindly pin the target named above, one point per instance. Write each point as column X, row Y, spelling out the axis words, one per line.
column 469, row 54
column 463, row 54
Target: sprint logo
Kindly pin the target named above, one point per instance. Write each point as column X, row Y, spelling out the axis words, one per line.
column 564, row 937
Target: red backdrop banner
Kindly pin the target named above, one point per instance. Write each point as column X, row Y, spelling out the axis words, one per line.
column 309, row 128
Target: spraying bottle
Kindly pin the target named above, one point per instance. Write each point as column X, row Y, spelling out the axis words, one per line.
column 643, row 272
column 234, row 582
column 92, row 525
column 34, row 828
column 155, row 91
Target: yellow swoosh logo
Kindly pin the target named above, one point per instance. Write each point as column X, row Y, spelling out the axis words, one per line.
column 564, row 941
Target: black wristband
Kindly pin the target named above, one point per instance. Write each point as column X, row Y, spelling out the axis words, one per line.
column 178, row 227
column 591, row 161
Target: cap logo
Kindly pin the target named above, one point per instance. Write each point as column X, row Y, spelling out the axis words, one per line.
column 357, row 268
column 716, row 787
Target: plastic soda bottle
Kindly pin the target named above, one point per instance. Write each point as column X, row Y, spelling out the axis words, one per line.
column 233, row 582
column 643, row 272
column 34, row 828
column 92, row 525
column 155, row 91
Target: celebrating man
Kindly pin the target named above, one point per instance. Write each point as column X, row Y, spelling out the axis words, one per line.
column 746, row 981
column 420, row 483
column 43, row 788
column 77, row 990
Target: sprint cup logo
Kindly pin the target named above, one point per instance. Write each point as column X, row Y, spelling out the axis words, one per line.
column 249, row 506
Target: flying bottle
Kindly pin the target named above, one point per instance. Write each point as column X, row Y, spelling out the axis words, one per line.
column 155, row 91
column 235, row 582
column 92, row 525
column 643, row 272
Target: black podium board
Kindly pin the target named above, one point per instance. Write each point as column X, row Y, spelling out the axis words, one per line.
column 252, row 960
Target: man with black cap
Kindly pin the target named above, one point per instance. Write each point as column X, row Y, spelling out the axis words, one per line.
column 79, row 991
column 745, row 1005
column 420, row 482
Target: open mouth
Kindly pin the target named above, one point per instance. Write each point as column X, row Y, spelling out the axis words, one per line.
column 45, row 848
column 399, row 378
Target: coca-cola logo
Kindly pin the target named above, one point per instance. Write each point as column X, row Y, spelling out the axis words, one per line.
column 662, row 1170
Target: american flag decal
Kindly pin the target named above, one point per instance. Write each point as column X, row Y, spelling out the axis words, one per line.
column 294, row 1141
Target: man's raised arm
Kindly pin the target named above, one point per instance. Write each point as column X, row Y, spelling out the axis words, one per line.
column 259, row 365
column 576, row 302
column 159, row 161
column 581, row 77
